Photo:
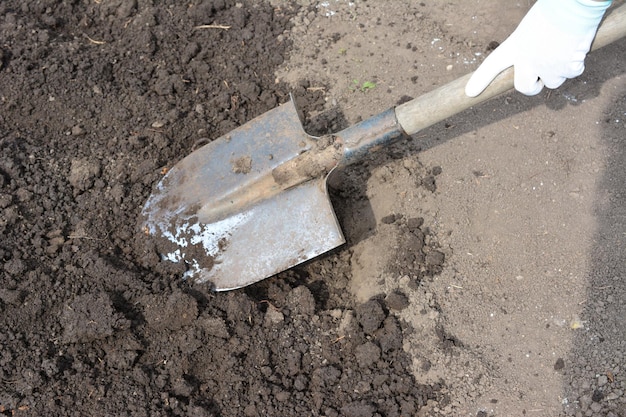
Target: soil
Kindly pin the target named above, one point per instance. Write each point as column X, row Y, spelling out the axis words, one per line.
column 481, row 276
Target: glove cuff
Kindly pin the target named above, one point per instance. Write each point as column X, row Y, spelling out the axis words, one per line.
column 576, row 16
column 593, row 4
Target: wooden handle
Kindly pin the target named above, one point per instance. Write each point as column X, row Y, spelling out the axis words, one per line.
column 450, row 99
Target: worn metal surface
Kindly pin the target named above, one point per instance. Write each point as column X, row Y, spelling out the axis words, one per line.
column 245, row 239
column 254, row 202
column 369, row 136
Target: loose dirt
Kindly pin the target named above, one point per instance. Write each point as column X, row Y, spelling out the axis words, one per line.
column 483, row 273
column 98, row 100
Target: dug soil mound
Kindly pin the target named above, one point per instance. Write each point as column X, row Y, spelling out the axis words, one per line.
column 97, row 100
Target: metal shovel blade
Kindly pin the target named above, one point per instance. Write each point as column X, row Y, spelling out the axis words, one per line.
column 220, row 212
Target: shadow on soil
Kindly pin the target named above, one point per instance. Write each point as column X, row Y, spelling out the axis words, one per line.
column 349, row 188
column 596, row 360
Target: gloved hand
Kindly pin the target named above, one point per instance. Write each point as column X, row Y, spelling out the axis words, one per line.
column 549, row 45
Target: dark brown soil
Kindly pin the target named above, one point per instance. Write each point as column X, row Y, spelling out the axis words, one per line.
column 97, row 99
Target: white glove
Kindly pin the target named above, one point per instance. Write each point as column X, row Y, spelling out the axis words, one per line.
column 549, row 45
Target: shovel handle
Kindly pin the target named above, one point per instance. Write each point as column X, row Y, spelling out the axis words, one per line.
column 450, row 99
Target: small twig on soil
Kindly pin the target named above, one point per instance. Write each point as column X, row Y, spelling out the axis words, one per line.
column 269, row 304
column 199, row 143
column 95, row 41
column 316, row 89
column 9, row 381
column 338, row 339
column 224, row 27
column 610, row 376
column 83, row 237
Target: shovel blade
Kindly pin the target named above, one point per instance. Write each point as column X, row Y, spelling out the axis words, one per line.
column 191, row 219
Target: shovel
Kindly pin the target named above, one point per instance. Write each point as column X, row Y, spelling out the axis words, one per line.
column 254, row 202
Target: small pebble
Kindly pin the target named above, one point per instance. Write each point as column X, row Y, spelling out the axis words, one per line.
column 560, row 364
column 415, row 223
column 388, row 219
column 435, row 258
column 397, row 301
column 77, row 131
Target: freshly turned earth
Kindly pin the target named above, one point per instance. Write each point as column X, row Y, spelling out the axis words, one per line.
column 98, row 99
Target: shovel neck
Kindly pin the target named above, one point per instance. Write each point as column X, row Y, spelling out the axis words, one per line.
column 369, row 136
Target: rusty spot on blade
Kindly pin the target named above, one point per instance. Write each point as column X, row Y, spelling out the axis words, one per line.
column 242, row 165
